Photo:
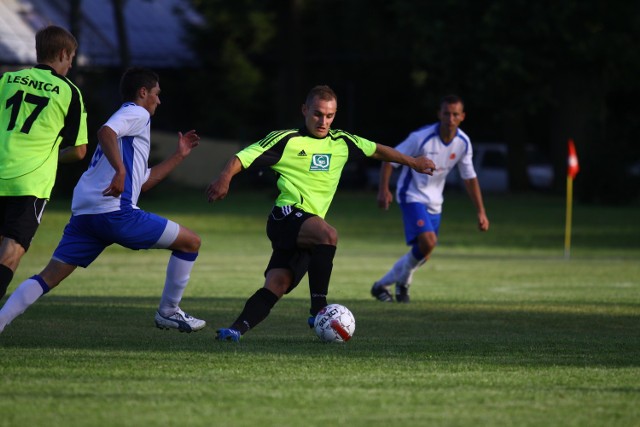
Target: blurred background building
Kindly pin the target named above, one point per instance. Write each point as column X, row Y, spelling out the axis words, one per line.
column 110, row 33
column 532, row 74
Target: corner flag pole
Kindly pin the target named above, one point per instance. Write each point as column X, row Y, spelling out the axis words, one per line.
column 567, row 226
column 572, row 170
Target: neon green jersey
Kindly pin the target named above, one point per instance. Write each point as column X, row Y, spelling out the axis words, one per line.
column 39, row 110
column 308, row 168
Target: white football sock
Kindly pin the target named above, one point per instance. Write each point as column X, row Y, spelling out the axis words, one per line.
column 390, row 276
column 410, row 263
column 26, row 294
column 407, row 280
column 400, row 270
column 178, row 273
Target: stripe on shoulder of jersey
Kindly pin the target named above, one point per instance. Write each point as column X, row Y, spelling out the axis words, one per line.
column 75, row 92
column 340, row 134
column 427, row 138
column 275, row 135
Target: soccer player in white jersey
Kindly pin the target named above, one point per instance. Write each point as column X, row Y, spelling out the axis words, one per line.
column 420, row 196
column 104, row 207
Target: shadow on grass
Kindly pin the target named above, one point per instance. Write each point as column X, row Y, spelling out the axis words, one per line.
column 502, row 334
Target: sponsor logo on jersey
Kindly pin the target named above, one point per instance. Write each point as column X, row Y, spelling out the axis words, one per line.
column 452, row 156
column 302, row 154
column 320, row 162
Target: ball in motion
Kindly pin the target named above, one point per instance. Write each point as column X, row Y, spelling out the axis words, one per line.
column 335, row 323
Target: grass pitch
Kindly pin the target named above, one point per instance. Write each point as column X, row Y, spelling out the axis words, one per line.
column 502, row 330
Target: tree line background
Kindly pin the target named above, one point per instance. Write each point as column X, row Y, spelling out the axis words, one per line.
column 531, row 72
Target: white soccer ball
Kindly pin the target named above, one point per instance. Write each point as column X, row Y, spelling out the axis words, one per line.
column 335, row 323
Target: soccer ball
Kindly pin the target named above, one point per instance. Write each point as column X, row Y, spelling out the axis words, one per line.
column 335, row 323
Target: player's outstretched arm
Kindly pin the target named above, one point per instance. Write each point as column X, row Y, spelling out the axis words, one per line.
column 186, row 143
column 219, row 188
column 419, row 164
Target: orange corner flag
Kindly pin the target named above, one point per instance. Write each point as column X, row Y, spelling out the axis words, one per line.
column 572, row 166
column 572, row 170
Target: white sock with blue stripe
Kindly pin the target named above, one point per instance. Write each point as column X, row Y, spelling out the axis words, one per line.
column 414, row 259
column 25, row 294
column 178, row 274
column 400, row 270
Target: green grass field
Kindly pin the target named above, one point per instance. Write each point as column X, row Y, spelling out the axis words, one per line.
column 502, row 329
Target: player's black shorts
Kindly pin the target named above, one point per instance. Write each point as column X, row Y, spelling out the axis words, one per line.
column 283, row 227
column 20, row 217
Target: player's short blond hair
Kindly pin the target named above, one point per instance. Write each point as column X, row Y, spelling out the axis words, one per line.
column 323, row 92
column 51, row 40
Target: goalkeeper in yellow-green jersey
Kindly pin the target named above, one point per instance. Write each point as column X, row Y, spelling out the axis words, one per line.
column 40, row 109
column 308, row 163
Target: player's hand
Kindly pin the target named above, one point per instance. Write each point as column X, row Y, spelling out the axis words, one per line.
column 116, row 187
column 217, row 190
column 483, row 222
column 385, row 198
column 424, row 165
column 187, row 142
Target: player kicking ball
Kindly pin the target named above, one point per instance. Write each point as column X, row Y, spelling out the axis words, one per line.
column 104, row 208
column 308, row 162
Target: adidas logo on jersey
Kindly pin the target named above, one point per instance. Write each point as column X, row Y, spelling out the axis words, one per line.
column 302, row 154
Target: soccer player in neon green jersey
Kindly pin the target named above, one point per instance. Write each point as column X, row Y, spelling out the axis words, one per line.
column 308, row 163
column 39, row 110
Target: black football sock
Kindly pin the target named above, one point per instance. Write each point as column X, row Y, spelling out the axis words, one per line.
column 320, row 266
column 256, row 309
column 6, row 275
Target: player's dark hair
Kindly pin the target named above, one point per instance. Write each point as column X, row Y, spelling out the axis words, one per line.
column 51, row 40
column 135, row 78
column 323, row 92
column 451, row 99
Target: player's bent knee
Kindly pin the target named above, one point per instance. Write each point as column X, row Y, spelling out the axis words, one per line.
column 196, row 242
column 330, row 236
column 334, row 240
column 193, row 244
column 187, row 241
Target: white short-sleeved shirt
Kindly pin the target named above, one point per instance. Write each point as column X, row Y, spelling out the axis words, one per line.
column 414, row 187
column 131, row 123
